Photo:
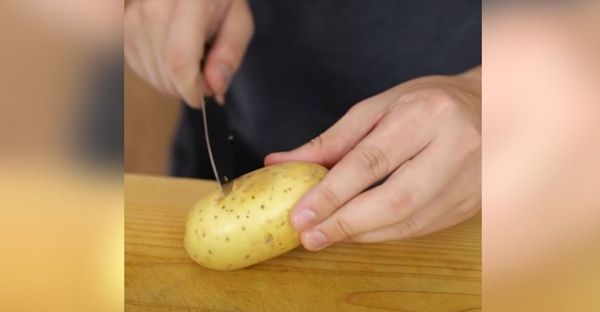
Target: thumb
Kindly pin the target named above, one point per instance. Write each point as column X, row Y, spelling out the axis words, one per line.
column 329, row 147
column 229, row 47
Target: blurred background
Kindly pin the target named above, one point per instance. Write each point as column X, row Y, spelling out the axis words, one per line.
column 150, row 120
column 541, row 156
column 61, row 155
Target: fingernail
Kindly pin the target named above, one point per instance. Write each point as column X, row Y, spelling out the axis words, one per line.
column 225, row 72
column 220, row 99
column 303, row 219
column 315, row 240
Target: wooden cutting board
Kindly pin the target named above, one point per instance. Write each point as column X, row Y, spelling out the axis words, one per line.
column 439, row 272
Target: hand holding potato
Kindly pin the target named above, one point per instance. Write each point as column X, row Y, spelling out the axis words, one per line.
column 424, row 136
column 165, row 43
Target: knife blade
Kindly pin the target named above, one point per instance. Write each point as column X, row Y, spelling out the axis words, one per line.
column 224, row 184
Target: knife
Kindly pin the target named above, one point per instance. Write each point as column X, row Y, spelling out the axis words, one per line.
column 225, row 184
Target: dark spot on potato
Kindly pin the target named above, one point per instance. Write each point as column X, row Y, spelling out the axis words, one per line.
column 279, row 243
column 216, row 217
column 227, row 238
column 282, row 223
column 243, row 228
column 247, row 217
column 200, row 220
column 210, row 252
column 203, row 234
column 262, row 207
column 252, row 197
column 270, row 198
column 223, row 207
column 238, row 216
column 268, row 239
column 195, row 256
column 289, row 188
column 246, row 257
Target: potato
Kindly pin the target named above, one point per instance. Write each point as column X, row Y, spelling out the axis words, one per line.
column 251, row 223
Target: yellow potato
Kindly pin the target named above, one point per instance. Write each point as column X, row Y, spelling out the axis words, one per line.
column 251, row 223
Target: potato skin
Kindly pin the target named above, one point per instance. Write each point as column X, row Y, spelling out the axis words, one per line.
column 251, row 223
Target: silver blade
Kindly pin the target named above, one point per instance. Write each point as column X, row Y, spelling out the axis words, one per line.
column 210, row 154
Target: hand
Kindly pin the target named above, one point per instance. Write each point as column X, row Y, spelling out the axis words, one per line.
column 424, row 136
column 165, row 41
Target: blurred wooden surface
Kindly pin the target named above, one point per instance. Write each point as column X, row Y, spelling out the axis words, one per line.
column 440, row 272
column 150, row 120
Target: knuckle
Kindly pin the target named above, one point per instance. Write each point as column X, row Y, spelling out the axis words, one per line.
column 434, row 100
column 152, row 10
column 400, row 203
column 329, row 198
column 352, row 239
column 232, row 53
column 176, row 61
column 316, row 143
column 408, row 227
column 374, row 161
column 343, row 228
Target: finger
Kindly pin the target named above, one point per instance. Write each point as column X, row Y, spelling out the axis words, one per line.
column 331, row 145
column 423, row 223
column 157, row 14
column 399, row 136
column 450, row 219
column 411, row 187
column 406, row 228
column 460, row 200
column 228, row 48
column 184, row 49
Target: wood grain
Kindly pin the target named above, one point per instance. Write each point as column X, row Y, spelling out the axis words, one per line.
column 439, row 272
